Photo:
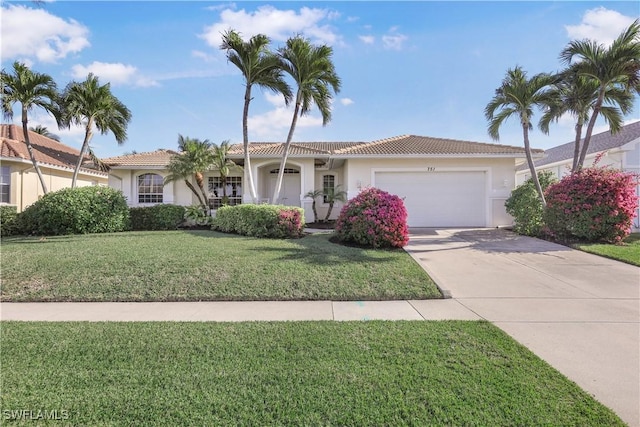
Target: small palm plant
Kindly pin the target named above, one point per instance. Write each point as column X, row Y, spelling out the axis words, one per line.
column 314, row 194
column 331, row 196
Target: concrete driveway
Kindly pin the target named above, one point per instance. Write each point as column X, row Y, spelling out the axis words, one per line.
column 579, row 312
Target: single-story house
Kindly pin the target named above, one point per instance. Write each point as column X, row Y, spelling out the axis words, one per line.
column 444, row 182
column 19, row 182
column 620, row 151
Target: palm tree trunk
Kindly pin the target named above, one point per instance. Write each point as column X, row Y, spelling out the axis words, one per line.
column 285, row 154
column 200, row 182
column 326, row 218
column 193, row 189
column 576, row 150
column 592, row 122
column 245, row 139
column 25, row 131
column 85, row 144
column 532, row 167
column 315, row 212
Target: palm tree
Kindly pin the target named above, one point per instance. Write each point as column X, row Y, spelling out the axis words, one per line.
column 314, row 194
column 331, row 196
column 223, row 163
column 197, row 157
column 615, row 68
column 517, row 96
column 313, row 71
column 42, row 130
column 258, row 66
column 576, row 95
column 180, row 169
column 89, row 104
column 29, row 89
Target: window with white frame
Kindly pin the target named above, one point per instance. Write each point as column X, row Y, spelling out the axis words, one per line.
column 150, row 187
column 328, row 186
column 5, row 184
column 232, row 189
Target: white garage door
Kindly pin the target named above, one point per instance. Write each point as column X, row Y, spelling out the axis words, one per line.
column 439, row 199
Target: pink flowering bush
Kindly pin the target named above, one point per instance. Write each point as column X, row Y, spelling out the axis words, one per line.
column 594, row 204
column 373, row 218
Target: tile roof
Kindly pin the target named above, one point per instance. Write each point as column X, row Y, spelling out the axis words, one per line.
column 159, row 157
column 47, row 151
column 599, row 142
column 408, row 145
column 301, row 149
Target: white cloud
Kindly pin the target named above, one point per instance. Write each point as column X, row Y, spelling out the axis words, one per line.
column 346, row 101
column 274, row 124
column 218, row 7
column 393, row 40
column 115, row 73
column 278, row 24
column 35, row 33
column 367, row 39
column 206, row 57
column 599, row 24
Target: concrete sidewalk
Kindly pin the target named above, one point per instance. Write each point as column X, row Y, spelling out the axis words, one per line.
column 237, row 311
column 577, row 311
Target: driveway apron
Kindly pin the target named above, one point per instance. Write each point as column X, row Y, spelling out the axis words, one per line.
column 579, row 312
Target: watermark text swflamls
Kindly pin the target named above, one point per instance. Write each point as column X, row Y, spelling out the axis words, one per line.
column 29, row 414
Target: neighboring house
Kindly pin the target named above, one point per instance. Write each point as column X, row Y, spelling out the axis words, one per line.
column 19, row 183
column 620, row 151
column 444, row 182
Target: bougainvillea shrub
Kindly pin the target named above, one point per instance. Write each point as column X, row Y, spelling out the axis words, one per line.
column 594, row 204
column 373, row 218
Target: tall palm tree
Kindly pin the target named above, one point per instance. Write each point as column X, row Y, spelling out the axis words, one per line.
column 44, row 131
column 315, row 76
column 223, row 164
column 517, row 96
column 29, row 89
column 91, row 105
column 259, row 66
column 197, row 157
column 615, row 69
column 576, row 95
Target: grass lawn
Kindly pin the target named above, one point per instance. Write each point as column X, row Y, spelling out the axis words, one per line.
column 204, row 266
column 287, row 373
column 628, row 252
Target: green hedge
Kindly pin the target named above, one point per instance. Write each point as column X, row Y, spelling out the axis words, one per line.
column 76, row 211
column 8, row 223
column 274, row 221
column 158, row 217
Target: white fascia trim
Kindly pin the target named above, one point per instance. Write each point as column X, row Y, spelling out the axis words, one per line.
column 139, row 167
column 54, row 167
column 437, row 156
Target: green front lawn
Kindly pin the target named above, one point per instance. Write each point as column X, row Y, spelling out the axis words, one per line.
column 306, row 373
column 628, row 251
column 204, row 265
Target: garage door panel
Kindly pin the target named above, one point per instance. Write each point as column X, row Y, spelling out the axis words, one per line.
column 439, row 199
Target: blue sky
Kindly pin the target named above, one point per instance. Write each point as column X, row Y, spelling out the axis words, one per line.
column 419, row 67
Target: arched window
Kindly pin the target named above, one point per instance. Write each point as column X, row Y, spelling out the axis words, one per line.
column 150, row 186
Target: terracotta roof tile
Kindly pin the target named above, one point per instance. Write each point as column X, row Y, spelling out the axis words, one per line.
column 159, row 157
column 599, row 142
column 408, row 145
column 270, row 149
column 47, row 151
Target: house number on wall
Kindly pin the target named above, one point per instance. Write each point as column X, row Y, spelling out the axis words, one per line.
column 431, row 169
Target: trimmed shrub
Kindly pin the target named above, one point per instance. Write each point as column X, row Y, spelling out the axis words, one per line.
column 373, row 218
column 76, row 211
column 158, row 217
column 594, row 204
column 8, row 220
column 525, row 206
column 274, row 221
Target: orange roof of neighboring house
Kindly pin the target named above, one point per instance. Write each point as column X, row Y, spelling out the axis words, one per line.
column 47, row 151
column 160, row 157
